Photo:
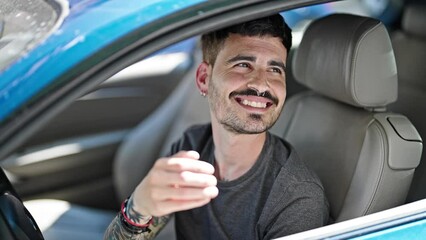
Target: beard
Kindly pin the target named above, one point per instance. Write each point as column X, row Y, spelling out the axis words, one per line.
column 233, row 118
column 254, row 125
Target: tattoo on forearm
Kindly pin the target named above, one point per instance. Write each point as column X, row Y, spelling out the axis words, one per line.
column 134, row 215
column 116, row 231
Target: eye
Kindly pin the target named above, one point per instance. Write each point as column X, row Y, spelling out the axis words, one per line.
column 243, row 65
column 276, row 70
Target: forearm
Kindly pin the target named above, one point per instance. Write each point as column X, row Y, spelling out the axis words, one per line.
column 117, row 231
column 162, row 192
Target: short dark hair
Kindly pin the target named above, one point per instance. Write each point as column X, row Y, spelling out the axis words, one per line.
column 274, row 26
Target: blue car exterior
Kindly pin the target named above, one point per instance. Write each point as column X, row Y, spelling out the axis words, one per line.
column 413, row 230
column 90, row 26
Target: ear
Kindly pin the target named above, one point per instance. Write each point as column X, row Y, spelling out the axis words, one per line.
column 202, row 77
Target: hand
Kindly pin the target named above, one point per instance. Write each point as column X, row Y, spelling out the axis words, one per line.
column 176, row 183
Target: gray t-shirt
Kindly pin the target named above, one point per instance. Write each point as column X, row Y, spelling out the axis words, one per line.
column 278, row 196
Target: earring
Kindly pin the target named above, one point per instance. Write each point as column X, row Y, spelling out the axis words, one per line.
column 203, row 94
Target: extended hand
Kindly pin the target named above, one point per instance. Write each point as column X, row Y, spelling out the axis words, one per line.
column 176, row 183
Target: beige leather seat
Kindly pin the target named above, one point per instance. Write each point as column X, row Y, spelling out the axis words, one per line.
column 409, row 44
column 364, row 155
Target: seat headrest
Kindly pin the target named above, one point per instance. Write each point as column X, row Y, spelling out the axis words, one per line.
column 414, row 20
column 348, row 58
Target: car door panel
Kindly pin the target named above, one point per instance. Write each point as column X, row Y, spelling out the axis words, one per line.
column 73, row 163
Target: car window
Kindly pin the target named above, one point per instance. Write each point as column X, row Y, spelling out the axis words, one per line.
column 24, row 23
column 386, row 11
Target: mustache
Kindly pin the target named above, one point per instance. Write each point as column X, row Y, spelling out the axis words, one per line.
column 252, row 92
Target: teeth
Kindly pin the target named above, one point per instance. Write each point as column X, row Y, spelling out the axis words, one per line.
column 253, row 104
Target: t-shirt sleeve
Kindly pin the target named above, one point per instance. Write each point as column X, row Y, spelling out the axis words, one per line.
column 302, row 206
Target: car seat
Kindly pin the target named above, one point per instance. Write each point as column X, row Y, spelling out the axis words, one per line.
column 364, row 155
column 409, row 45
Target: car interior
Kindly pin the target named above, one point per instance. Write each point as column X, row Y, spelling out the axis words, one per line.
column 409, row 46
column 361, row 147
column 368, row 111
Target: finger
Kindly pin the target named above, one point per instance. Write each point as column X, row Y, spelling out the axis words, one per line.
column 184, row 179
column 184, row 164
column 187, row 154
column 185, row 193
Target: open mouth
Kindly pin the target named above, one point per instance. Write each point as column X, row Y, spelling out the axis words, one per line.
column 253, row 103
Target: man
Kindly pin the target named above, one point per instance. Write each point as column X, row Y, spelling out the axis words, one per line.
column 231, row 179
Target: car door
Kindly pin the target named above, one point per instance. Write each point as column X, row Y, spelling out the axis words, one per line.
column 403, row 222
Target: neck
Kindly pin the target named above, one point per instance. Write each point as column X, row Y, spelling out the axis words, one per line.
column 235, row 153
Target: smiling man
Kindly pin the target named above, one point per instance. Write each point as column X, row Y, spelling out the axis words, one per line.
column 231, row 179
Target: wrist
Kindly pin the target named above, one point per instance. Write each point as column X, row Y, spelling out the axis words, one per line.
column 134, row 221
column 134, row 208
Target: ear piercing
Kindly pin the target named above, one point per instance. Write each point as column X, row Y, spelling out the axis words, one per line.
column 203, row 94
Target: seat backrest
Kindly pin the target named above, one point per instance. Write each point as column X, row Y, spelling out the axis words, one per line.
column 409, row 44
column 364, row 155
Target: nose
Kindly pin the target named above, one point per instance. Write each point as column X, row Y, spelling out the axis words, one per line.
column 258, row 81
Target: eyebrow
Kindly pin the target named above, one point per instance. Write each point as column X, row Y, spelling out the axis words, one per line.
column 253, row 59
column 242, row 58
column 277, row 64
